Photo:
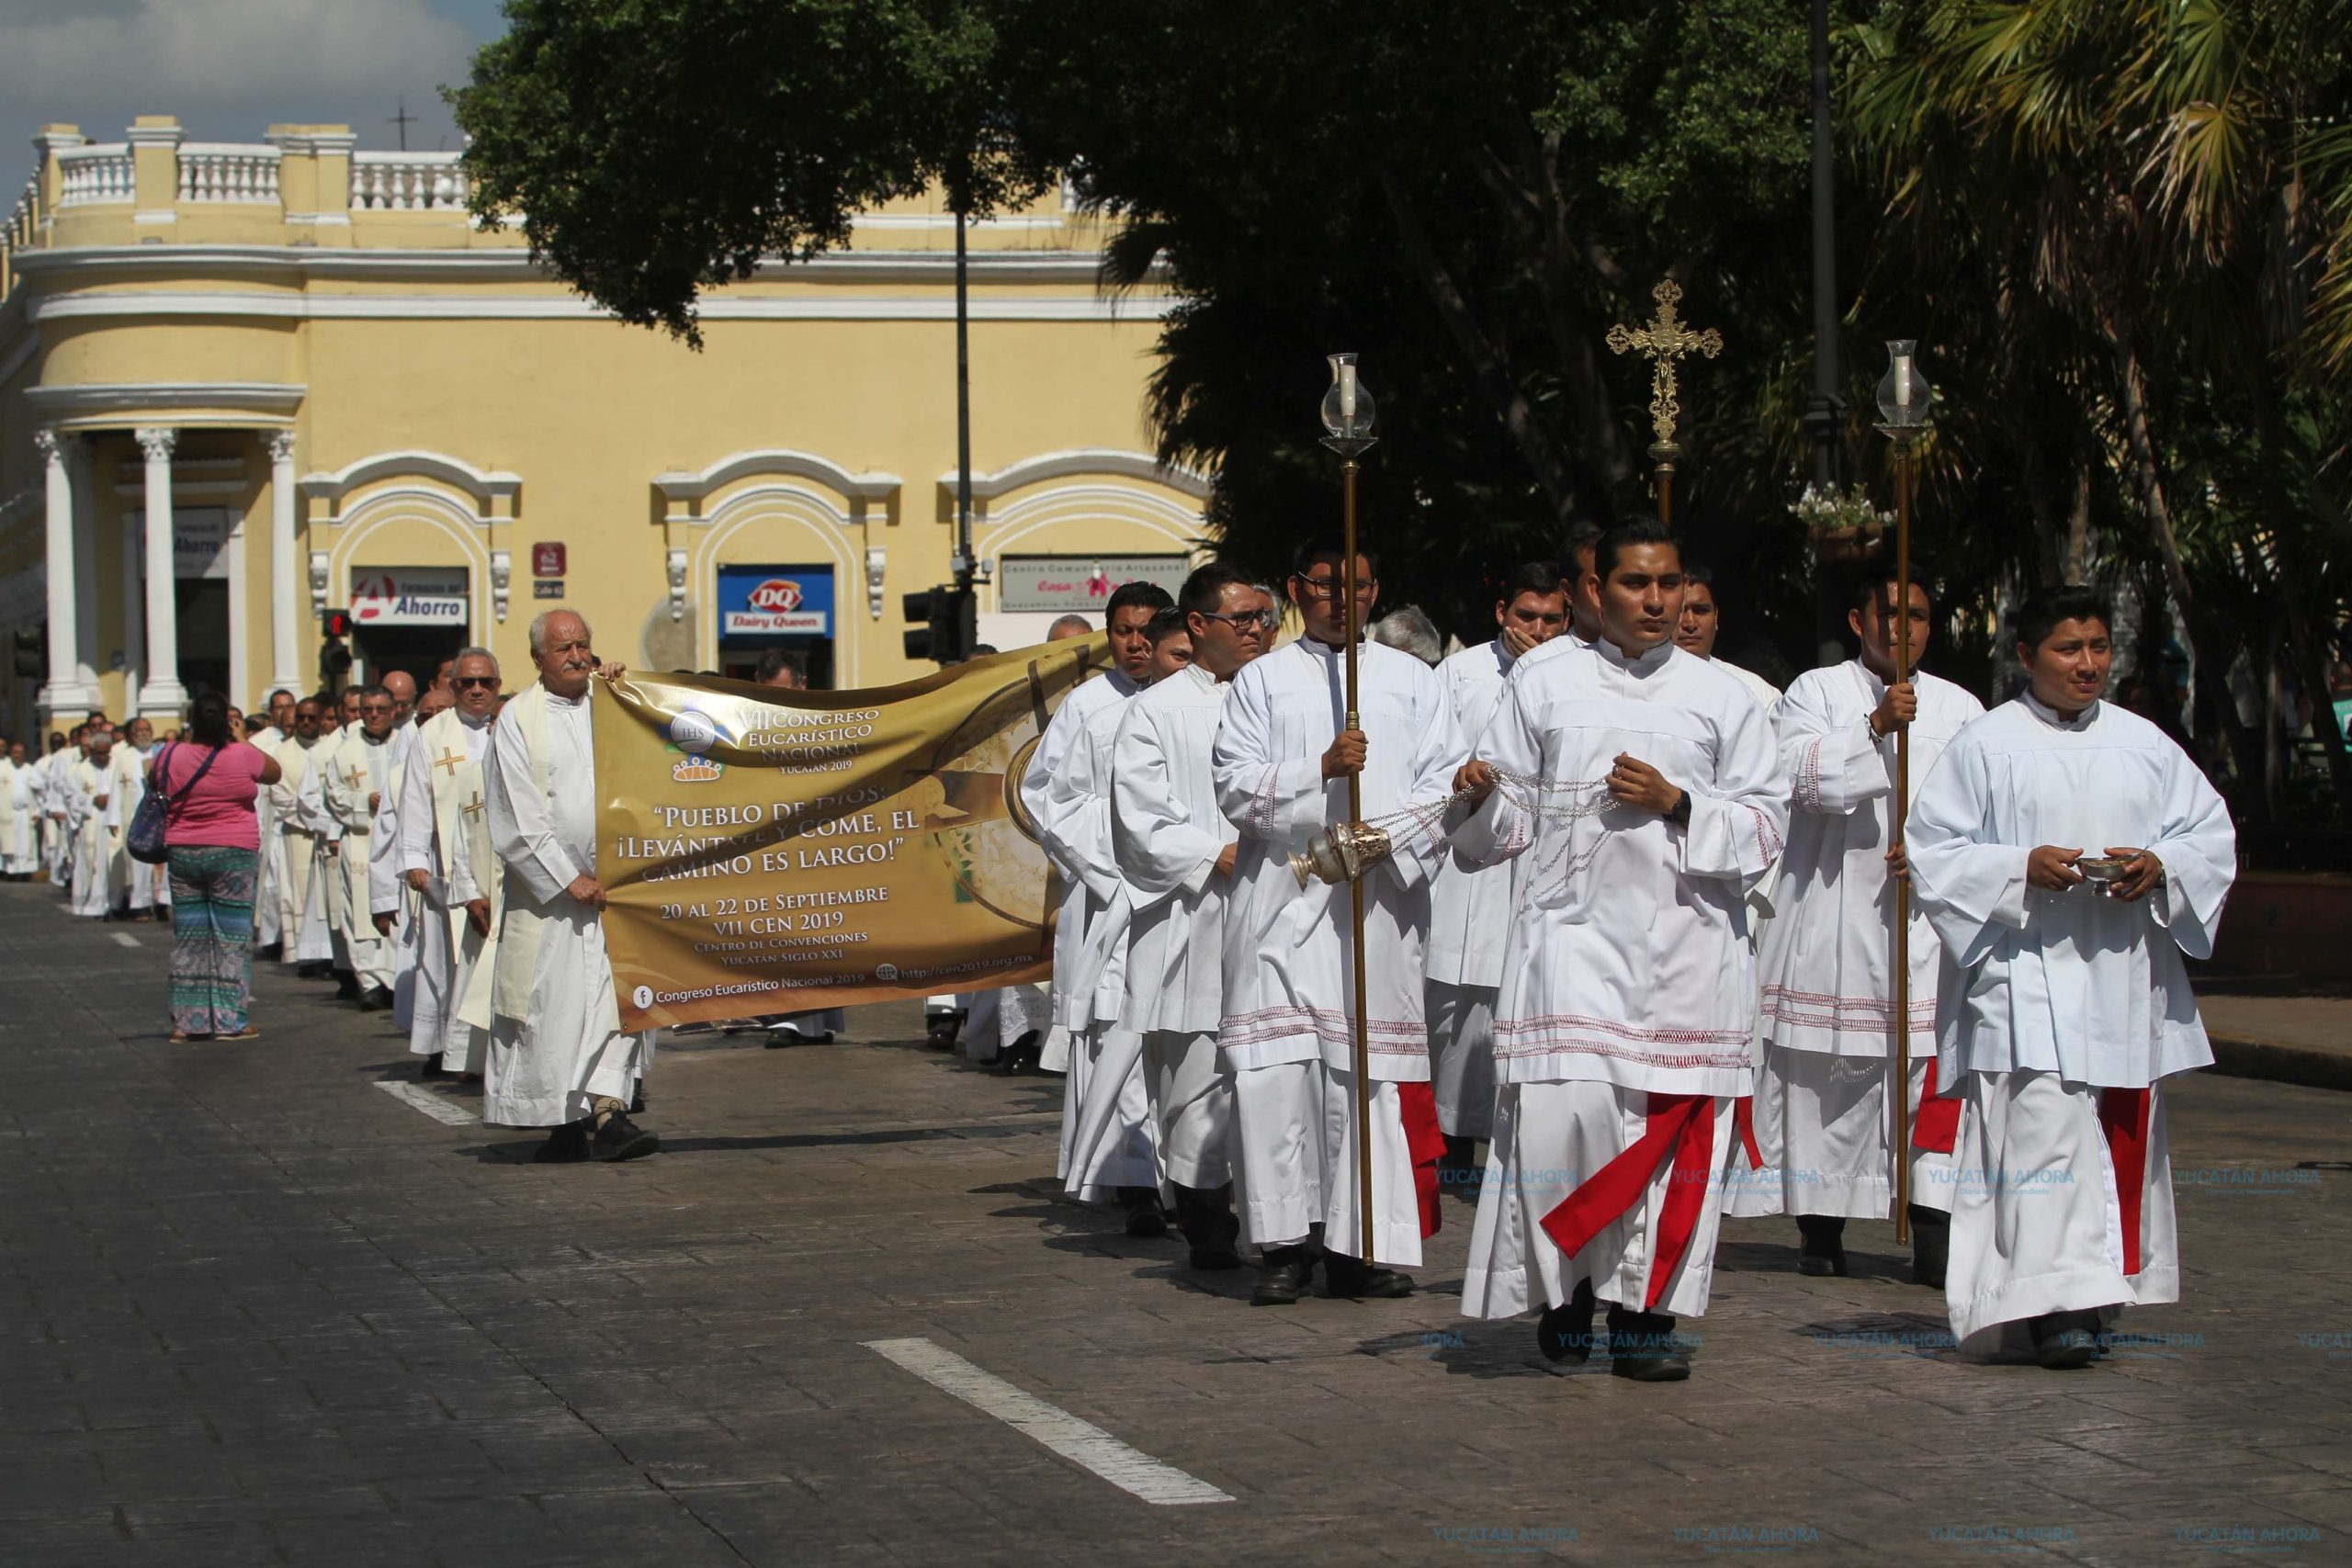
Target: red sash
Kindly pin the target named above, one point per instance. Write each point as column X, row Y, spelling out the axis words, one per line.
column 1680, row 1126
column 1936, row 1127
column 2123, row 1117
column 1425, row 1141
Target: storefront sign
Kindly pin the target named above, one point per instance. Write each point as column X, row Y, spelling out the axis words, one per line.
column 547, row 588
column 547, row 558
column 775, row 601
column 410, row 596
column 1027, row 585
column 201, row 541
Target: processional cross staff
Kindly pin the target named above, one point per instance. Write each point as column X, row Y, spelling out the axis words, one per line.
column 1347, row 415
column 1667, row 339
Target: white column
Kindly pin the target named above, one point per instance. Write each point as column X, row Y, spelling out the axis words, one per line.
column 288, row 590
column 63, row 692
column 82, row 463
column 161, row 696
column 134, row 613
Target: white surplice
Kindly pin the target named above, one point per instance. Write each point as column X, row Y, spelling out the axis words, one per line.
column 1767, row 696
column 1107, row 1138
column 442, row 765
column 269, row 861
column 556, row 1043
column 361, row 766
column 1168, row 833
column 1109, row 690
column 1827, row 957
column 303, row 828
column 1629, row 976
column 94, row 829
column 2053, row 1005
column 20, row 837
column 137, row 885
column 1288, row 1027
column 1469, row 925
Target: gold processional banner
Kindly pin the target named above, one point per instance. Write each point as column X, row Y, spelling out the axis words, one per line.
column 766, row 850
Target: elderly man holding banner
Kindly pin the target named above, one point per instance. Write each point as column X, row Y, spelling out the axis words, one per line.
column 558, row 1056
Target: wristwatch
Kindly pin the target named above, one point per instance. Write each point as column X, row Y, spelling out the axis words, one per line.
column 1680, row 814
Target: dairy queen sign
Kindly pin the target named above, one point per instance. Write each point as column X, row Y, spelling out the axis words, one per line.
column 410, row 596
column 775, row 601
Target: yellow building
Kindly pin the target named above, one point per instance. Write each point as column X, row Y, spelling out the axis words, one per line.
column 300, row 371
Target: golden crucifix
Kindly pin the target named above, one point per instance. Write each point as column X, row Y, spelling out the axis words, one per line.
column 450, row 759
column 1667, row 339
column 473, row 807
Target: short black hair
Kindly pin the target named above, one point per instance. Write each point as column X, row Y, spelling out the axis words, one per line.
column 1532, row 577
column 1629, row 535
column 1582, row 536
column 1205, row 590
column 2039, row 615
column 1167, row 623
column 1876, row 572
column 774, row 660
column 1698, row 572
column 370, row 690
column 1135, row 595
column 1330, row 549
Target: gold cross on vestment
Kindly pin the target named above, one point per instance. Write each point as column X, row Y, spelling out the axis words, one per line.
column 1667, row 339
column 452, row 761
column 473, row 807
column 354, row 775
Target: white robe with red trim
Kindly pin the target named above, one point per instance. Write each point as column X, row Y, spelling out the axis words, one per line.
column 2057, row 1013
column 1628, row 994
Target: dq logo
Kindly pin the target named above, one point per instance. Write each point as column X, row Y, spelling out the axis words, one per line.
column 777, row 593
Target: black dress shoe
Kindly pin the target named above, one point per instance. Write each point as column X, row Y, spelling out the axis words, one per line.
column 1564, row 1333
column 1284, row 1277
column 271, row 951
column 2065, row 1341
column 620, row 1138
column 1930, row 1245
column 430, row 1067
column 1644, row 1347
column 636, row 1098
column 1351, row 1278
column 1021, row 1055
column 568, row 1145
column 1145, row 1216
column 1210, row 1225
column 346, row 986
column 1821, row 1247
column 376, row 999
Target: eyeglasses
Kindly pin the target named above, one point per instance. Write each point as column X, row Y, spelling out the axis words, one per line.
column 1239, row 620
column 460, row 682
column 1327, row 587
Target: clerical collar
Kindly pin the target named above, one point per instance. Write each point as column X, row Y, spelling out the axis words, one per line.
column 2052, row 717
column 1124, row 683
column 1644, row 662
column 1207, row 681
column 375, row 739
column 579, row 701
column 471, row 722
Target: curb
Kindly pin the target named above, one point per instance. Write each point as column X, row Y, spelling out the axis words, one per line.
column 2314, row 1067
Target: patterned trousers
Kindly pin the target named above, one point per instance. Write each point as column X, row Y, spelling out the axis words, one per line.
column 212, row 926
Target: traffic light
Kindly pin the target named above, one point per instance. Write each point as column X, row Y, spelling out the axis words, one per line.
column 334, row 660
column 32, row 650
column 950, row 623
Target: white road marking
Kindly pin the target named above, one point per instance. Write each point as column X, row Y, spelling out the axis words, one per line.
column 1080, row 1442
column 432, row 1104
column 125, row 938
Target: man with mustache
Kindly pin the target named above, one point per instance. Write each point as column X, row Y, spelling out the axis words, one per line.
column 357, row 785
column 1641, row 790
column 558, row 1056
column 441, row 829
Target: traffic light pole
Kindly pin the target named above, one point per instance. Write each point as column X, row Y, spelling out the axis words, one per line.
column 963, row 563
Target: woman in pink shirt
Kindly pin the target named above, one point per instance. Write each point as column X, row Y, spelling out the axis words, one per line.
column 210, row 780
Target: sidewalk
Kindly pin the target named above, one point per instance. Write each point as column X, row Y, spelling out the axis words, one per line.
column 2286, row 1028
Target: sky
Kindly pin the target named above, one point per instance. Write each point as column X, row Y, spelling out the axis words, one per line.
column 229, row 69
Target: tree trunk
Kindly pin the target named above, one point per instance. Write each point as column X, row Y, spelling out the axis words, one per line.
column 1541, row 452
column 2210, row 674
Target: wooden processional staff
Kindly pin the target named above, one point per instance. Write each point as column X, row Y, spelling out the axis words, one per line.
column 1902, row 396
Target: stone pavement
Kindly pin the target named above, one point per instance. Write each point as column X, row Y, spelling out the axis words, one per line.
column 257, row 1310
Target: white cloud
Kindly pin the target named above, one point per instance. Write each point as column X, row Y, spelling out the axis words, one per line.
column 230, row 68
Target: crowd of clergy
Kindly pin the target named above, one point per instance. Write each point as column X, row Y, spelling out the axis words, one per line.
column 1628, row 925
